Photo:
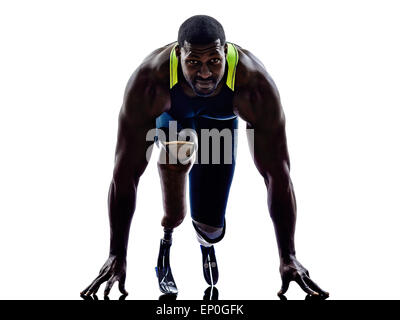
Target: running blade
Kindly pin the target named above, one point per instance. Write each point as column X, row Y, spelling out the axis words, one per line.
column 210, row 267
column 166, row 281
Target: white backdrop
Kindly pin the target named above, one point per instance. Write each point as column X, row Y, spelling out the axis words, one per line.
column 63, row 69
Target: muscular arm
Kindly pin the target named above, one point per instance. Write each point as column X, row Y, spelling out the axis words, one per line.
column 146, row 97
column 267, row 140
column 258, row 103
column 272, row 160
column 130, row 163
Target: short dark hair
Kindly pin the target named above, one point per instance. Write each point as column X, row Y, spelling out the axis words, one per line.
column 201, row 29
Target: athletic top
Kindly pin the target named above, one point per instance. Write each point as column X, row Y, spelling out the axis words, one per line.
column 218, row 107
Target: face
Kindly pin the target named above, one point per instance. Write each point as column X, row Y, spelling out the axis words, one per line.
column 203, row 66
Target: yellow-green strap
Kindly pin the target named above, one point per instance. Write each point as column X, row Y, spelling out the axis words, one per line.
column 173, row 68
column 232, row 59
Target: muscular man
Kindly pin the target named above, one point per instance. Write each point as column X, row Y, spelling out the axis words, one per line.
column 200, row 82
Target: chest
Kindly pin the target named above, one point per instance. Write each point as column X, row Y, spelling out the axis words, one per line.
column 217, row 107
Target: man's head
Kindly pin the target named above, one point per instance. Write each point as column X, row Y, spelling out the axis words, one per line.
column 202, row 51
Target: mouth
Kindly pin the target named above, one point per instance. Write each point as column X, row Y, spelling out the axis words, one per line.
column 204, row 84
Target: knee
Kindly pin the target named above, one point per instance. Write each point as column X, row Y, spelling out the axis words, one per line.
column 178, row 169
column 172, row 221
column 208, row 235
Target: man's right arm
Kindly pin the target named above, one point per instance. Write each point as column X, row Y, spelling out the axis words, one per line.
column 144, row 100
column 130, row 163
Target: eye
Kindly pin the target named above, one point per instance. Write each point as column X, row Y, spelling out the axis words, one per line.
column 192, row 62
column 215, row 60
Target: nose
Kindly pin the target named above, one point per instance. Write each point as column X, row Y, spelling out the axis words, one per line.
column 204, row 72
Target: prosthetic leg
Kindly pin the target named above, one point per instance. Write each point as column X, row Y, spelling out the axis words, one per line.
column 207, row 236
column 210, row 267
column 209, row 190
column 176, row 160
column 163, row 270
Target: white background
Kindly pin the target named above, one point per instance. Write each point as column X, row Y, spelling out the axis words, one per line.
column 63, row 69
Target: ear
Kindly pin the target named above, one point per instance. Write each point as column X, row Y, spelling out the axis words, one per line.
column 226, row 49
column 178, row 51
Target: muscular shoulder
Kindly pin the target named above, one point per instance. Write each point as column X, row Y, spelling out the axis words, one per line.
column 256, row 96
column 251, row 71
column 147, row 92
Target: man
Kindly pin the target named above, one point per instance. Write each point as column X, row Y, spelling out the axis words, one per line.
column 201, row 82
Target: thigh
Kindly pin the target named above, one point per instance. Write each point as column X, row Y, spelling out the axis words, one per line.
column 209, row 183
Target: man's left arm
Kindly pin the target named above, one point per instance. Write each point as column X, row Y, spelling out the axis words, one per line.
column 260, row 106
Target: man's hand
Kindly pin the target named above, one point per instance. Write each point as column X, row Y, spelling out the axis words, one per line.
column 292, row 270
column 113, row 270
